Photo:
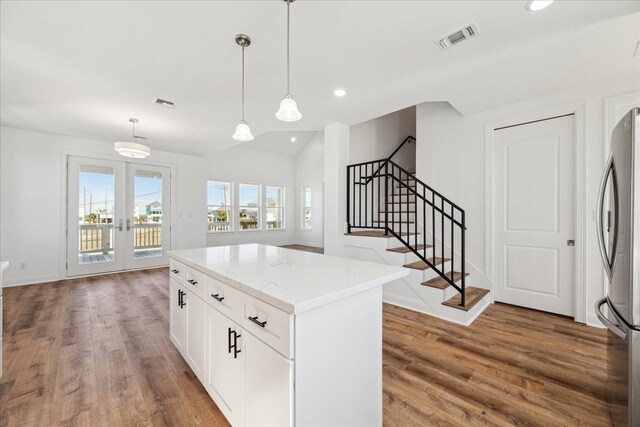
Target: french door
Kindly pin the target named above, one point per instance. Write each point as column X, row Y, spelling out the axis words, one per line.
column 118, row 216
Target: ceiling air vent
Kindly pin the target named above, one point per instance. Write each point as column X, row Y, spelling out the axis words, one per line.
column 164, row 103
column 457, row 36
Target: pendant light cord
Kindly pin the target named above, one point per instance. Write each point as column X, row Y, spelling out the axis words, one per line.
column 288, row 77
column 133, row 132
column 243, row 83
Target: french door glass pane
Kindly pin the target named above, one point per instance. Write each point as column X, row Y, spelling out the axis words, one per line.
column 95, row 214
column 147, row 214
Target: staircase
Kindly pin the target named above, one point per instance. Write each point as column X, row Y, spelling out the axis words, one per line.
column 395, row 218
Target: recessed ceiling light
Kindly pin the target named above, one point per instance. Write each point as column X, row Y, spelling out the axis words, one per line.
column 340, row 92
column 293, row 139
column 536, row 5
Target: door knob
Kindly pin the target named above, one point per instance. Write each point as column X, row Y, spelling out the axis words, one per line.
column 120, row 225
column 128, row 224
column 571, row 242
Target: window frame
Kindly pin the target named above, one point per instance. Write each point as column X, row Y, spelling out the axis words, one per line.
column 231, row 207
column 303, row 225
column 283, row 207
column 260, row 208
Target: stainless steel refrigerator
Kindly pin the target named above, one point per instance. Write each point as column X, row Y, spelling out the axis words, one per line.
column 618, row 228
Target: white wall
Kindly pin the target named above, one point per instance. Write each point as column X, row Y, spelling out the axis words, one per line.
column 446, row 138
column 378, row 138
column 247, row 166
column 32, row 206
column 336, row 158
column 310, row 173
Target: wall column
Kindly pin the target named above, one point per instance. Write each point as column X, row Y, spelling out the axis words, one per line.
column 336, row 158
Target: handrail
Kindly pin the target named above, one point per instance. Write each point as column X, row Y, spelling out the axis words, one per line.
column 383, row 183
column 407, row 140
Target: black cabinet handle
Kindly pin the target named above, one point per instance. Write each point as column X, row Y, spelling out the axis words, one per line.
column 217, row 297
column 235, row 345
column 229, row 339
column 193, row 282
column 175, row 271
column 257, row 322
column 181, row 302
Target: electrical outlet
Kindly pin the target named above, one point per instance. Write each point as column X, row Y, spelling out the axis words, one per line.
column 22, row 266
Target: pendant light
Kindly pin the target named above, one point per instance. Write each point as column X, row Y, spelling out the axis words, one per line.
column 288, row 111
column 132, row 149
column 243, row 133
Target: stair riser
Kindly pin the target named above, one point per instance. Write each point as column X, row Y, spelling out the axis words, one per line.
column 403, row 198
column 429, row 273
column 394, row 243
column 398, row 216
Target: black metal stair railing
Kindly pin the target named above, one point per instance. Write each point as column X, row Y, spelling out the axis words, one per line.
column 383, row 195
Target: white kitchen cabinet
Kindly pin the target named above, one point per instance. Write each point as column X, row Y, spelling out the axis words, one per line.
column 224, row 362
column 196, row 343
column 259, row 319
column 268, row 384
column 178, row 316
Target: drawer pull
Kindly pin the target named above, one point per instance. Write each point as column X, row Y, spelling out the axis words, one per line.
column 193, row 282
column 257, row 322
column 235, row 344
column 174, row 271
column 217, row 297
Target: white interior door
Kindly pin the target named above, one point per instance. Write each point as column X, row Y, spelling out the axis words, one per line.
column 534, row 215
column 148, row 217
column 118, row 216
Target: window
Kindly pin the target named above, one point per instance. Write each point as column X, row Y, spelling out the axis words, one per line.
column 306, row 208
column 219, row 206
column 249, row 207
column 274, row 205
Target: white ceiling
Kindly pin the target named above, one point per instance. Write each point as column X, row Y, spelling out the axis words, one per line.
column 84, row 68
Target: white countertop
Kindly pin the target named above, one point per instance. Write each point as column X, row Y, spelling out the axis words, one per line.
column 3, row 265
column 294, row 281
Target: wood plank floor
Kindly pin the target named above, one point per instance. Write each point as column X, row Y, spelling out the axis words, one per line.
column 96, row 352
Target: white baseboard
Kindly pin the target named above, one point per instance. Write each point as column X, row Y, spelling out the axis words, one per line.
column 592, row 320
column 29, row 280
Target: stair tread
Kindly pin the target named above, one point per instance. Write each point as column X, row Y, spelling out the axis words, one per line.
column 375, row 233
column 404, row 249
column 421, row 265
column 472, row 297
column 440, row 283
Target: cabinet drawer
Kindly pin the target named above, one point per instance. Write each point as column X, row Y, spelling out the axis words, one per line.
column 270, row 324
column 177, row 271
column 222, row 296
column 195, row 282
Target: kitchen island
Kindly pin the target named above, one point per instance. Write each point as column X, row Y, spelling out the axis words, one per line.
column 282, row 337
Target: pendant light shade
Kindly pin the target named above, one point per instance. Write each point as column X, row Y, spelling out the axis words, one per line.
column 288, row 111
column 132, row 149
column 243, row 132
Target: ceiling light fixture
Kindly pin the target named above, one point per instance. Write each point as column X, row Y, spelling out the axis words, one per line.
column 132, row 149
column 536, row 5
column 288, row 111
column 339, row 93
column 243, row 133
column 293, row 139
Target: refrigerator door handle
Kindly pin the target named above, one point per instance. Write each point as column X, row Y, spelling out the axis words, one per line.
column 608, row 323
column 599, row 224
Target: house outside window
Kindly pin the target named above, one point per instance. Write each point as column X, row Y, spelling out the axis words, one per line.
column 274, row 205
column 249, row 207
column 219, row 206
column 306, row 208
